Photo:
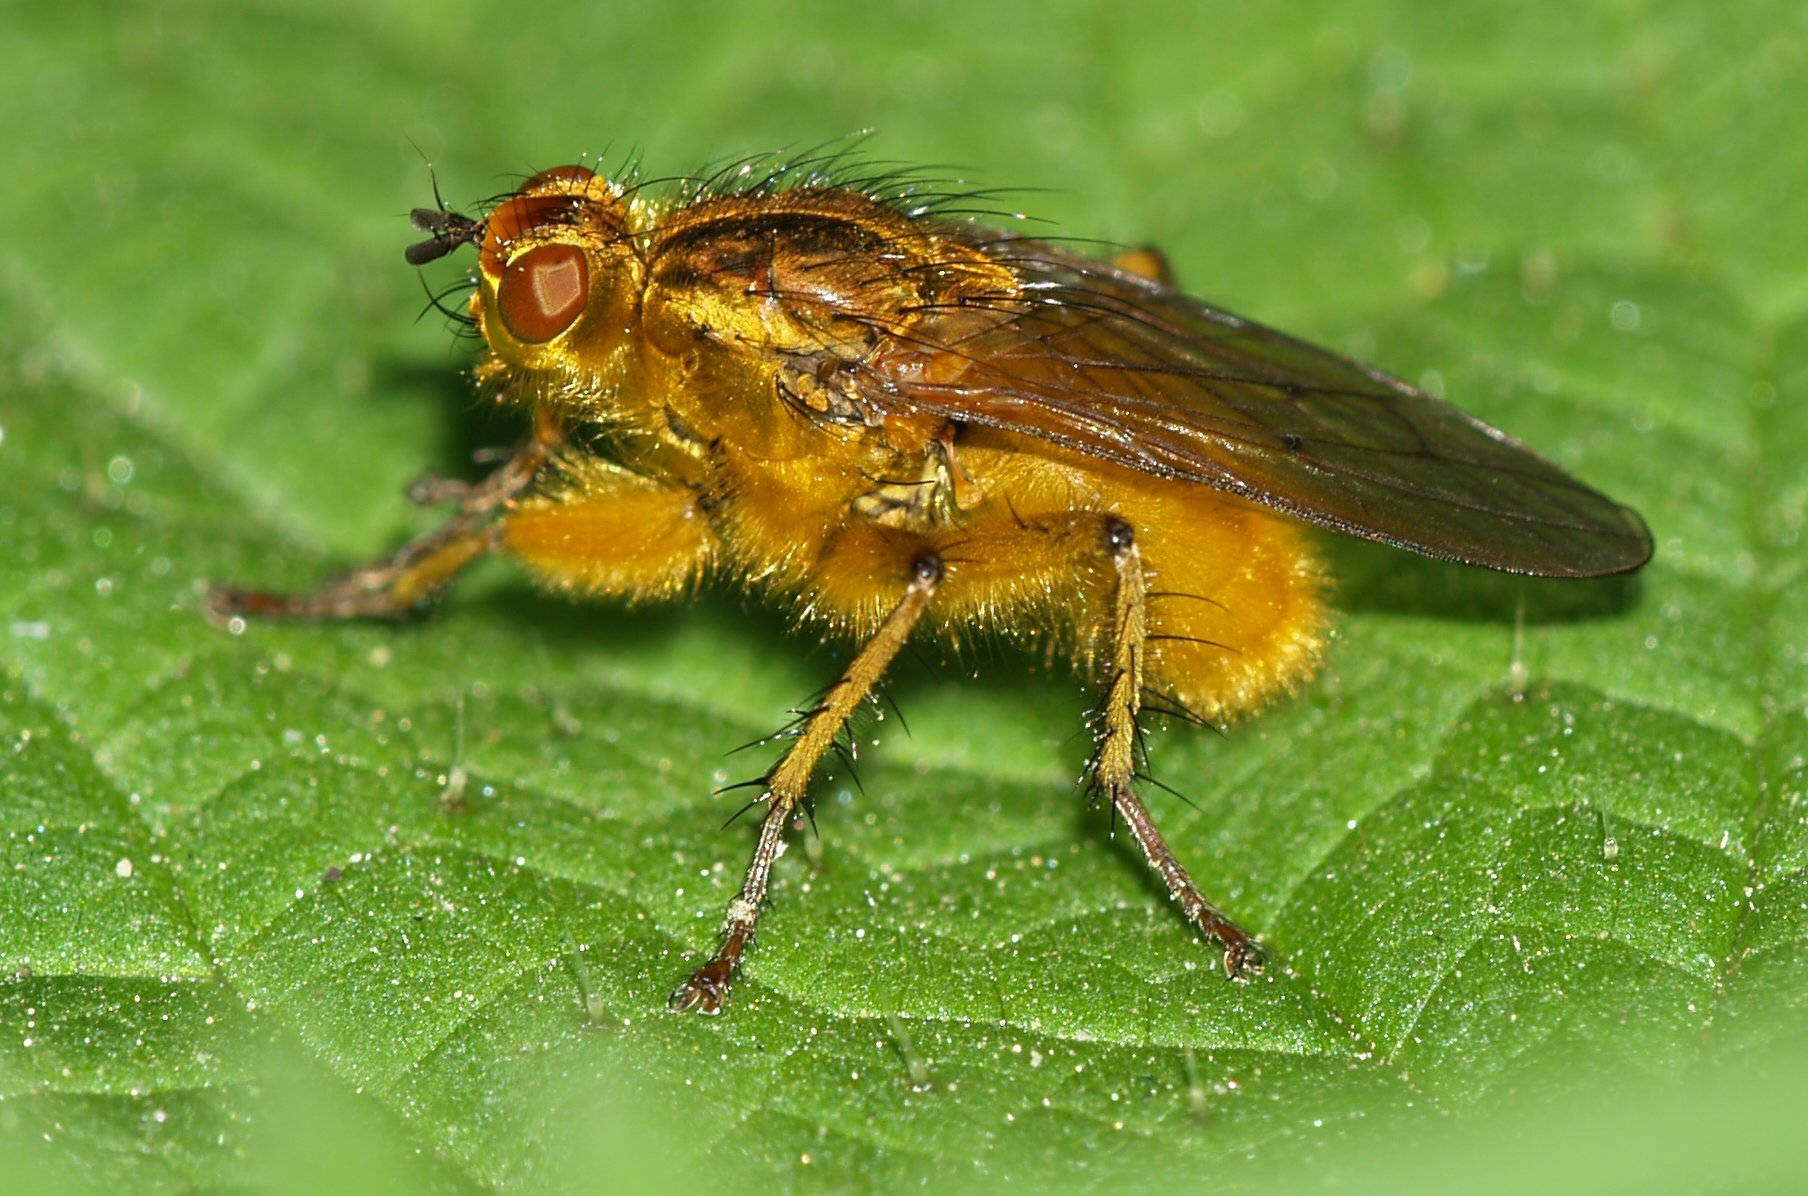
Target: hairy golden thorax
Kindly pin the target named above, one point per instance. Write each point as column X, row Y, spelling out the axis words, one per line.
column 729, row 323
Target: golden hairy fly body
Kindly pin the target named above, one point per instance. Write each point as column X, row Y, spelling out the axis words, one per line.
column 902, row 424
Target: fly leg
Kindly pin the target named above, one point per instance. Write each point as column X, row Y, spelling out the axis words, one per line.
column 708, row 986
column 1114, row 761
column 414, row 573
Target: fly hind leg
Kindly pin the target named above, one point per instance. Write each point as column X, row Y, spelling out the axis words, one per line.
column 1114, row 763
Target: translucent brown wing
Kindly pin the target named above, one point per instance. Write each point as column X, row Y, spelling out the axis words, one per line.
column 1117, row 367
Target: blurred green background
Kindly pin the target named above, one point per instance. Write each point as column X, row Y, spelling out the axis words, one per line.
column 369, row 906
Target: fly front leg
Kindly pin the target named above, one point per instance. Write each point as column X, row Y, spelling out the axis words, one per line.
column 708, row 986
column 1114, row 762
column 414, row 573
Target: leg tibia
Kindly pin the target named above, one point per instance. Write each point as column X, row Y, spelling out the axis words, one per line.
column 708, row 986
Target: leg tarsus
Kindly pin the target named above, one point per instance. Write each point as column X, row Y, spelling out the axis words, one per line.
column 1243, row 955
column 414, row 573
column 432, row 490
column 707, row 988
column 1244, row 960
column 389, row 589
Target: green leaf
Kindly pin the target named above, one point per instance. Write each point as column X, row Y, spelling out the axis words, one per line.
column 1526, row 850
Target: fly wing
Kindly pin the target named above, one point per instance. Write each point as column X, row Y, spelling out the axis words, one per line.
column 1115, row 366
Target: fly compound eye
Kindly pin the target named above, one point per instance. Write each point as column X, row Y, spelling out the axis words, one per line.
column 543, row 292
column 517, row 217
column 572, row 179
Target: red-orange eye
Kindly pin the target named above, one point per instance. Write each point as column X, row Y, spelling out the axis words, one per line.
column 543, row 292
column 550, row 197
column 560, row 178
column 523, row 214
